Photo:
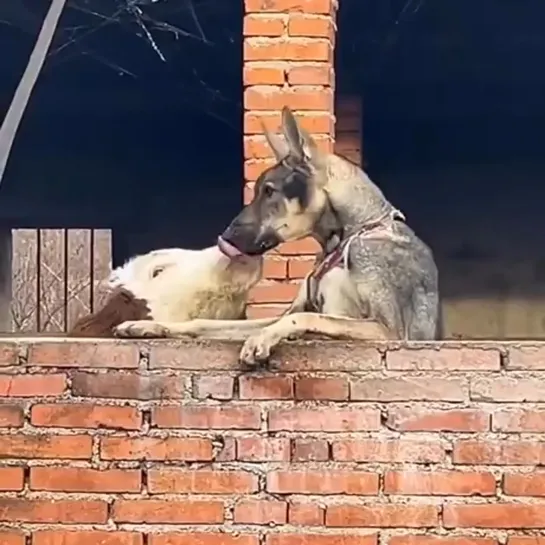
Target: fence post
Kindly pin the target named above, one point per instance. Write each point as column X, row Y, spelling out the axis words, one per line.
column 6, row 252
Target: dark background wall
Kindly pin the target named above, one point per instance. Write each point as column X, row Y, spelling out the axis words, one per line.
column 454, row 132
column 454, row 124
column 115, row 136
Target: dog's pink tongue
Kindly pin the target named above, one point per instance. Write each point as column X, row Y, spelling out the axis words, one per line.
column 228, row 249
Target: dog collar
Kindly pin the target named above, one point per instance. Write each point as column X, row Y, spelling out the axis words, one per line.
column 339, row 257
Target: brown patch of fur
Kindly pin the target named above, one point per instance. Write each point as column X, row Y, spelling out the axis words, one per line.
column 121, row 306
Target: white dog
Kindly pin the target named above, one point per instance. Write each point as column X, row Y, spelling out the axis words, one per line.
column 172, row 285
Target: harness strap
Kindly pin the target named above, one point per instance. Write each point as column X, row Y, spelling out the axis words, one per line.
column 340, row 255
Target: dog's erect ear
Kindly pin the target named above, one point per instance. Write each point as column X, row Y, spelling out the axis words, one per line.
column 291, row 131
column 301, row 144
column 279, row 147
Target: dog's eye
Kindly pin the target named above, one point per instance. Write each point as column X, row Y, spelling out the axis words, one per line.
column 268, row 191
column 157, row 271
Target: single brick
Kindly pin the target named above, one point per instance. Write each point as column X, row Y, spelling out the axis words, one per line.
column 86, row 415
column 443, row 359
column 189, row 449
column 519, row 420
column 322, row 482
column 265, row 311
column 11, row 416
column 314, row 388
column 75, row 447
column 12, row 537
column 333, row 356
column 436, row 540
column 11, row 479
column 315, row 123
column 529, row 357
column 326, row 7
column 213, row 387
column 176, row 481
column 498, row 453
column 299, row 268
column 259, row 449
column 254, row 167
column 85, row 537
column 105, row 354
column 389, row 451
column 127, row 386
column 495, row 516
column 306, row 246
column 168, row 512
column 533, row 484
column 195, row 355
column 255, row 73
column 324, row 419
column 309, row 450
column 526, row 540
column 9, row 354
column 269, row 97
column 276, row 387
column 260, row 512
column 201, row 538
column 264, row 25
column 53, row 511
column 207, row 418
column 274, row 292
column 79, row 479
column 287, row 49
column 382, row 516
column 321, row 539
column 312, row 26
column 306, row 514
column 454, row 420
column 275, row 268
column 32, row 385
column 441, row 483
column 508, row 389
column 409, row 389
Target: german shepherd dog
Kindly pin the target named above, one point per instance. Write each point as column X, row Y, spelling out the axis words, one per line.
column 375, row 280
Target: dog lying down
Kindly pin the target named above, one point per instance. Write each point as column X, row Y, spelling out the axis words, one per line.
column 174, row 285
column 200, row 292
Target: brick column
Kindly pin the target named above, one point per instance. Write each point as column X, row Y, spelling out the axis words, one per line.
column 349, row 140
column 288, row 60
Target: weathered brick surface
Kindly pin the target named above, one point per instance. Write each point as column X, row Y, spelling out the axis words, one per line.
column 288, row 61
column 338, row 444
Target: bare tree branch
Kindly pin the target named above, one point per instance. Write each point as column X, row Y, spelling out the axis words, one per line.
column 28, row 81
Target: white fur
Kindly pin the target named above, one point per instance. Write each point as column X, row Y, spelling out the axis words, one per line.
column 189, row 284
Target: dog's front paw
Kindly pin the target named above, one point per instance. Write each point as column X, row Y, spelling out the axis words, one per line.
column 141, row 328
column 257, row 349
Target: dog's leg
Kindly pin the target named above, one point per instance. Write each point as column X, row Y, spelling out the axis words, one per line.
column 236, row 330
column 258, row 347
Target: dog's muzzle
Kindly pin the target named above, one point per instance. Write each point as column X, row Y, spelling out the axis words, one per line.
column 228, row 249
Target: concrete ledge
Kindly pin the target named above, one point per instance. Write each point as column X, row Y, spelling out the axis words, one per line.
column 318, row 355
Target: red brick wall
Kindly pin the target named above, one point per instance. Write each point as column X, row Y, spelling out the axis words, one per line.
column 288, row 60
column 158, row 444
column 348, row 128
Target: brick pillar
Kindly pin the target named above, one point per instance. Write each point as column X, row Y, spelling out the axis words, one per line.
column 288, row 60
column 348, row 140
